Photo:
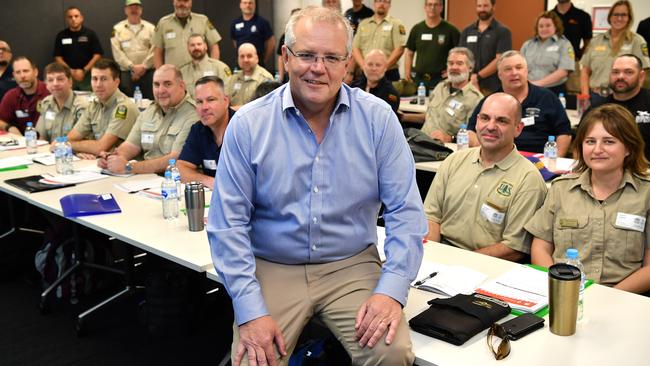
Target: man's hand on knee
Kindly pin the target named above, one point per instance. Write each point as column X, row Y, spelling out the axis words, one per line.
column 256, row 338
column 377, row 315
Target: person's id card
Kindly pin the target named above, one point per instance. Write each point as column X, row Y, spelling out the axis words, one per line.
column 492, row 215
column 631, row 222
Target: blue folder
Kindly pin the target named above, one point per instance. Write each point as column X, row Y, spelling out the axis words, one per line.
column 75, row 205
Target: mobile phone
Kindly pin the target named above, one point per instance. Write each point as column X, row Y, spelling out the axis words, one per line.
column 522, row 325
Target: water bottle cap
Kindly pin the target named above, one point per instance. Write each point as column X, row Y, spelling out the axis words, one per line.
column 168, row 174
column 561, row 95
column 64, row 138
column 572, row 253
column 59, row 139
column 463, row 126
column 551, row 138
column 421, row 83
column 172, row 161
column 29, row 124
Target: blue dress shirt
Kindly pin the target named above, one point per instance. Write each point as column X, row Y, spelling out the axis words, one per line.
column 283, row 197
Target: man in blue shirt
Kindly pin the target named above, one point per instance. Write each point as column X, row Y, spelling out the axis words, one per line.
column 292, row 225
column 252, row 28
column 203, row 144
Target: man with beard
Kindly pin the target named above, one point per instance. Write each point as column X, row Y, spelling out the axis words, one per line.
column 252, row 28
column 452, row 101
column 133, row 49
column 493, row 188
column 20, row 104
column 173, row 31
column 201, row 65
column 487, row 39
column 544, row 116
column 626, row 81
column 383, row 32
column 6, row 72
column 374, row 81
column 241, row 86
column 577, row 26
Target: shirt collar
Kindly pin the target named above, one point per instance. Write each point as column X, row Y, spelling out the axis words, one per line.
column 112, row 100
column 342, row 100
column 68, row 102
column 503, row 164
column 584, row 181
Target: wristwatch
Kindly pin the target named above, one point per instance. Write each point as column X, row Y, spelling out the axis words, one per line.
column 128, row 168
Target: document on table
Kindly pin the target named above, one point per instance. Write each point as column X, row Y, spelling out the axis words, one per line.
column 137, row 185
column 48, row 159
column 448, row 280
column 10, row 143
column 14, row 161
column 523, row 288
column 76, row 177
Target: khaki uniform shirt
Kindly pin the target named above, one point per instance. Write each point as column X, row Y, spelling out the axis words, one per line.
column 159, row 134
column 386, row 35
column 241, row 89
column 446, row 111
column 477, row 207
column 611, row 236
column 131, row 48
column 545, row 57
column 206, row 67
column 115, row 117
column 598, row 57
column 171, row 36
column 54, row 122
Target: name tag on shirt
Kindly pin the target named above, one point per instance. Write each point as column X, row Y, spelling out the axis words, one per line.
column 528, row 121
column 50, row 115
column 170, row 35
column 208, row 73
column 454, row 104
column 388, row 27
column 450, row 111
column 126, row 44
column 147, row 138
column 472, row 39
column 427, row 37
column 553, row 48
column 209, row 164
column 239, row 26
column 21, row 114
column 237, row 86
column 66, row 41
column 491, row 214
column 631, row 222
column 626, row 47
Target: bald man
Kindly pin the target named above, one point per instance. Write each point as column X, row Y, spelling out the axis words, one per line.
column 374, row 79
column 241, row 86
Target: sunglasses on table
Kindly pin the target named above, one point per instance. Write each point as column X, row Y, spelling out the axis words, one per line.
column 503, row 349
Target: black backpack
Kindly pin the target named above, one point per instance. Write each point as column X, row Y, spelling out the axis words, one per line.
column 424, row 148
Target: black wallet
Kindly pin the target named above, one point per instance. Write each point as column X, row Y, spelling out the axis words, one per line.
column 459, row 318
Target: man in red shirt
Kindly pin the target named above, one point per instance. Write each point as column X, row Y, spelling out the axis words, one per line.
column 20, row 104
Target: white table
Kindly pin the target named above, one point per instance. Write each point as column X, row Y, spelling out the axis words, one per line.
column 406, row 106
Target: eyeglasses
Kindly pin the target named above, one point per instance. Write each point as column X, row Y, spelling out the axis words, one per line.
column 310, row 58
column 503, row 350
column 620, row 15
column 5, row 49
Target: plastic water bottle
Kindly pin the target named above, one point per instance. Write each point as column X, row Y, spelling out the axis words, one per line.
column 573, row 258
column 137, row 98
column 68, row 168
column 277, row 77
column 562, row 100
column 462, row 138
column 422, row 94
column 30, row 138
column 550, row 153
column 59, row 154
column 169, row 197
column 176, row 175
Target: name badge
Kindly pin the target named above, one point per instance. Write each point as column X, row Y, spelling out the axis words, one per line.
column 170, row 35
column 209, row 164
column 472, row 39
column 388, row 27
column 450, row 111
column 50, row 115
column 631, row 222
column 21, row 114
column 237, row 86
column 492, row 215
column 627, row 47
column 528, row 121
column 239, row 26
column 427, row 37
column 554, row 48
column 208, row 73
column 66, row 41
column 126, row 44
column 454, row 104
column 147, row 138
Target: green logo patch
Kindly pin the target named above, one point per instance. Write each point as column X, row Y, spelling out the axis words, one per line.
column 505, row 189
column 120, row 112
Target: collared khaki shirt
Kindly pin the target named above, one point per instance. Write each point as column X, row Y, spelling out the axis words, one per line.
column 479, row 206
column 611, row 236
column 545, row 57
column 54, row 121
column 172, row 36
column 241, row 88
column 598, row 57
column 116, row 117
column 206, row 67
column 158, row 133
column 386, row 35
column 446, row 111
column 133, row 48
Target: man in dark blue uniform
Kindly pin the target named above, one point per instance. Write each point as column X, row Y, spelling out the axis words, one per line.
column 374, row 80
column 7, row 80
column 252, row 28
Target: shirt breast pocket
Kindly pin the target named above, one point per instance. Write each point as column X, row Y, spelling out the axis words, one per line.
column 170, row 137
column 148, row 135
column 628, row 243
column 572, row 232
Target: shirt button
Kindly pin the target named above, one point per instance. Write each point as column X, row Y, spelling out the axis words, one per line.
column 314, row 220
column 475, row 185
column 313, row 247
column 315, row 189
column 317, row 159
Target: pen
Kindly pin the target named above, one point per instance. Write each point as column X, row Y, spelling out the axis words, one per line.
column 422, row 281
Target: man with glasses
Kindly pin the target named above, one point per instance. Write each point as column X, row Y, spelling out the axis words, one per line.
column 292, row 225
column 431, row 39
column 241, row 86
column 383, row 32
column 20, row 104
column 6, row 71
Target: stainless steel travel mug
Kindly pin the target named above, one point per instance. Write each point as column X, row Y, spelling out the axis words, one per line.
column 195, row 205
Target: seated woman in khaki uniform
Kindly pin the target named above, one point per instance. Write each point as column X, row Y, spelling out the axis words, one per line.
column 602, row 208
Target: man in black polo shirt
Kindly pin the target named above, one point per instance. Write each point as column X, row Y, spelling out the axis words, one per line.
column 542, row 113
column 487, row 39
column 626, row 81
column 357, row 13
column 577, row 25
column 7, row 80
column 374, row 79
column 78, row 47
